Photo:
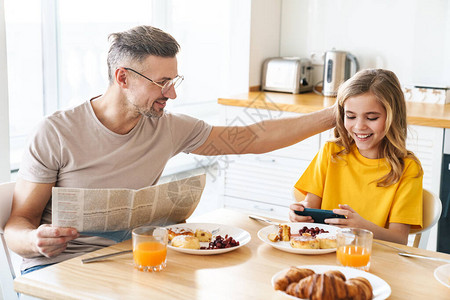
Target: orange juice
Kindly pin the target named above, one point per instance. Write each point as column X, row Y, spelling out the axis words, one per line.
column 353, row 256
column 149, row 254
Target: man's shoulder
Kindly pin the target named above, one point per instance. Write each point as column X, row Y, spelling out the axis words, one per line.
column 66, row 120
column 70, row 114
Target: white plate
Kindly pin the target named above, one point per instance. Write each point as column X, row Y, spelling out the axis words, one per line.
column 295, row 227
column 240, row 235
column 442, row 274
column 381, row 289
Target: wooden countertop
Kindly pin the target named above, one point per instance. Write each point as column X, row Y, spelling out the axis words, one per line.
column 242, row 274
column 424, row 114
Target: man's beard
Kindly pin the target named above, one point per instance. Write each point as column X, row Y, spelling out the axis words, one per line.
column 150, row 113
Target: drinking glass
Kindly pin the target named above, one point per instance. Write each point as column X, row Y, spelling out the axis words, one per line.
column 150, row 248
column 354, row 246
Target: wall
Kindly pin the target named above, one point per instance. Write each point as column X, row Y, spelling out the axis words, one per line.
column 264, row 35
column 4, row 119
column 409, row 37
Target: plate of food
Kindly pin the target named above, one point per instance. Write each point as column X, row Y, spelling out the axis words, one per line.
column 206, row 238
column 442, row 274
column 300, row 238
column 335, row 281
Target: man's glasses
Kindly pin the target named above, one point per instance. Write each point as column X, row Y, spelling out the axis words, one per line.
column 175, row 82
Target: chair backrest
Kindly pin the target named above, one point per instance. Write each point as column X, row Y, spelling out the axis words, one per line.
column 432, row 208
column 7, row 275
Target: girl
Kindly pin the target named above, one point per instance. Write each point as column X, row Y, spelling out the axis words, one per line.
column 366, row 170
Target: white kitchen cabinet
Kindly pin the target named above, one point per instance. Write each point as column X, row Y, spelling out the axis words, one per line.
column 426, row 143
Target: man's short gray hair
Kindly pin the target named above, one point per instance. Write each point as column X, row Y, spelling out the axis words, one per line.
column 137, row 44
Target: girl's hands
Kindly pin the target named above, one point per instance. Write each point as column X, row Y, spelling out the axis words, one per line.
column 293, row 217
column 352, row 218
column 396, row 232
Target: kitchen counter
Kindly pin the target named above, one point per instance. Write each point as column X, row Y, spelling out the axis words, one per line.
column 424, row 114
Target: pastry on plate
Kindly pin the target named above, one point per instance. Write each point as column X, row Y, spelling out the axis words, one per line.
column 326, row 240
column 173, row 232
column 284, row 232
column 203, row 235
column 359, row 288
column 294, row 274
column 304, row 242
column 186, row 241
column 331, row 285
column 273, row 237
column 319, row 287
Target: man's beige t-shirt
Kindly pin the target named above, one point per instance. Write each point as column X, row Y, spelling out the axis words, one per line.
column 74, row 149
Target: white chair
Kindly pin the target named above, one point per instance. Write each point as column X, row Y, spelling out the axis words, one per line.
column 432, row 208
column 7, row 274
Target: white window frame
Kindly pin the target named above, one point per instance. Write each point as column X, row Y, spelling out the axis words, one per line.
column 4, row 106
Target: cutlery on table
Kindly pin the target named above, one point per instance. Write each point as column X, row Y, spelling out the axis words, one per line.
column 257, row 218
column 403, row 252
column 392, row 247
column 424, row 257
column 103, row 257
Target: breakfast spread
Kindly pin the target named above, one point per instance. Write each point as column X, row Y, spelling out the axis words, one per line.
column 173, row 232
column 188, row 239
column 305, row 242
column 221, row 243
column 307, row 238
column 305, row 283
column 203, row 235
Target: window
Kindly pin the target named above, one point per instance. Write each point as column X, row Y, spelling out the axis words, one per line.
column 24, row 60
column 56, row 53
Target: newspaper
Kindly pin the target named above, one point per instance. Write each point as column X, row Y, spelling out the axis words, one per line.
column 99, row 210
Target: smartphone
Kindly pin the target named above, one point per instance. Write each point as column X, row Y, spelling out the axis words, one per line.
column 318, row 215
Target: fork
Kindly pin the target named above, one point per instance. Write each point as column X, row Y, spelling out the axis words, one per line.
column 392, row 247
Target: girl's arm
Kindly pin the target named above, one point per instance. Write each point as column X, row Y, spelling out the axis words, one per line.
column 396, row 232
column 311, row 201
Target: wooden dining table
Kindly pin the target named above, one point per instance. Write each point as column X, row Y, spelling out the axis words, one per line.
column 244, row 273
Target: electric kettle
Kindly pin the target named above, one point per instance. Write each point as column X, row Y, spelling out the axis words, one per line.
column 337, row 69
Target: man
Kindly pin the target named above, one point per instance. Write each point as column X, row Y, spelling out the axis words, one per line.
column 123, row 139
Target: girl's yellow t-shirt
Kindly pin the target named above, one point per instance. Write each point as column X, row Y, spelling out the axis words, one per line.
column 351, row 179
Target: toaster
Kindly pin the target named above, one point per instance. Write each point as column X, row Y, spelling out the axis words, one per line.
column 287, row 74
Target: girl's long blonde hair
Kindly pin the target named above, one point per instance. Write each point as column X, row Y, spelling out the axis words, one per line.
column 384, row 85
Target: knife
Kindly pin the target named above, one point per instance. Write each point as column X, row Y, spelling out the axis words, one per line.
column 424, row 257
column 392, row 247
column 102, row 257
column 257, row 218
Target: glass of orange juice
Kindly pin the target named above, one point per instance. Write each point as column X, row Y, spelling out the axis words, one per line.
column 354, row 246
column 150, row 248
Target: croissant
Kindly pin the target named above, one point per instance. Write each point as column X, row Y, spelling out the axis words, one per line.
column 359, row 288
column 331, row 285
column 336, row 273
column 293, row 275
column 319, row 287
